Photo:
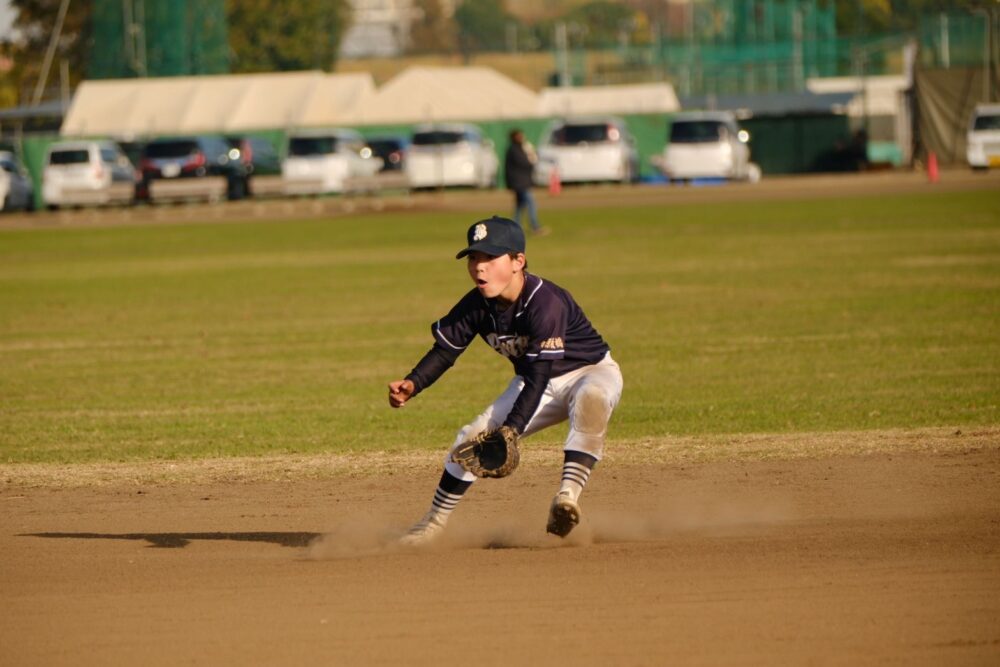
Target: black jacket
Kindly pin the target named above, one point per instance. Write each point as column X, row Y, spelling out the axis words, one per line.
column 518, row 168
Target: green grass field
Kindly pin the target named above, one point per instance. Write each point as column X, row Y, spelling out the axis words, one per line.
column 133, row 343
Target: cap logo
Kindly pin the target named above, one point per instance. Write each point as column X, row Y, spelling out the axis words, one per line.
column 480, row 232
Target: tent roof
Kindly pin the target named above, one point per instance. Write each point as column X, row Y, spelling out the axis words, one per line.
column 637, row 98
column 773, row 104
column 230, row 103
column 51, row 109
column 872, row 95
column 437, row 94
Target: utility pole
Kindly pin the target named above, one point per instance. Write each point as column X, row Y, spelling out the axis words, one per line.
column 562, row 54
column 49, row 53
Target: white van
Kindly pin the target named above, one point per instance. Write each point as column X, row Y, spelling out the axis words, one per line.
column 588, row 150
column 983, row 139
column 706, row 144
column 322, row 161
column 451, row 154
column 87, row 172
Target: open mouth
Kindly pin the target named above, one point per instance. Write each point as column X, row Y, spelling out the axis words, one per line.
column 481, row 282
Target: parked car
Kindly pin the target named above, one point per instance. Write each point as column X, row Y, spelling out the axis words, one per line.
column 454, row 154
column 708, row 144
column 17, row 193
column 392, row 150
column 262, row 164
column 192, row 167
column 87, row 172
column 983, row 138
column 588, row 149
column 259, row 155
column 322, row 161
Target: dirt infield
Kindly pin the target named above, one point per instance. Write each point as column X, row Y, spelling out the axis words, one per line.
column 884, row 549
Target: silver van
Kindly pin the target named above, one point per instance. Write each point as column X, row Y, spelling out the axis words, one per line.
column 706, row 144
column 982, row 149
column 87, row 172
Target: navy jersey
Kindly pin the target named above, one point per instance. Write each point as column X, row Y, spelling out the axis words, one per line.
column 544, row 334
column 545, row 323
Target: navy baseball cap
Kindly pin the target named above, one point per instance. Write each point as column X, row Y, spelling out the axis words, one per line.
column 495, row 236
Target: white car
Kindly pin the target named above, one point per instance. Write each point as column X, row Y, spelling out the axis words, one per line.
column 587, row 150
column 87, row 172
column 323, row 161
column 454, row 154
column 707, row 144
column 983, row 139
column 16, row 189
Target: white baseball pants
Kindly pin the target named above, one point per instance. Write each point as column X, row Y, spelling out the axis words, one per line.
column 586, row 397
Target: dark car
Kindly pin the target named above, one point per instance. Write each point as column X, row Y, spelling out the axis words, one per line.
column 262, row 163
column 392, row 150
column 16, row 189
column 184, row 159
column 258, row 155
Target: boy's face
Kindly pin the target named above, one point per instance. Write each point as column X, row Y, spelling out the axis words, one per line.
column 497, row 276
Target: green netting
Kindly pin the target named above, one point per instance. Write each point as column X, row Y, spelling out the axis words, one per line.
column 158, row 38
column 954, row 40
column 750, row 46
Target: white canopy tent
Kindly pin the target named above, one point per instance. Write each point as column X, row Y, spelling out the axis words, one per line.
column 128, row 108
column 435, row 94
column 135, row 108
column 626, row 99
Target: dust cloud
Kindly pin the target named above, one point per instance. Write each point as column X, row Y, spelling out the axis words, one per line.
column 372, row 536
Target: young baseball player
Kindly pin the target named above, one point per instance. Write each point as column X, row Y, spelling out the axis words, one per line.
column 562, row 370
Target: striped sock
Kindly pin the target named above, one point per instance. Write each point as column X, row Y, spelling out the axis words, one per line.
column 446, row 497
column 576, row 472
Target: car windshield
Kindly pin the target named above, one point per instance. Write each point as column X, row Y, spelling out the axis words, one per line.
column 437, row 137
column 985, row 122
column 302, row 146
column 79, row 156
column 108, row 155
column 568, row 135
column 171, row 149
column 696, row 131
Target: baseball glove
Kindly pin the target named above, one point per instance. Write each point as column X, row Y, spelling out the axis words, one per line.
column 490, row 454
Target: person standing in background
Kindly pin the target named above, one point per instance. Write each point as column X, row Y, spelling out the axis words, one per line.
column 519, row 166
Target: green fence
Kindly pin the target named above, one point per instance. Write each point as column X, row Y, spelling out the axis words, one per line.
column 780, row 145
column 158, row 38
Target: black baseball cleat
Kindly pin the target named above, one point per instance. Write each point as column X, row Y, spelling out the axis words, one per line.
column 564, row 514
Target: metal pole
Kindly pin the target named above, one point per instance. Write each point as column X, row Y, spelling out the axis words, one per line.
column 797, row 73
column 945, row 46
column 140, row 37
column 49, row 53
column 64, row 81
column 562, row 54
column 987, row 25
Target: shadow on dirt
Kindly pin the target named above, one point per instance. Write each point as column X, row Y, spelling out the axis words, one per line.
column 179, row 540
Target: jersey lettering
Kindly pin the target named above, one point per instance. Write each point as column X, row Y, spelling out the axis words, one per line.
column 512, row 347
column 552, row 344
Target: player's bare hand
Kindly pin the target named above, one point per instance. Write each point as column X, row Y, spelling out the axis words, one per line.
column 400, row 392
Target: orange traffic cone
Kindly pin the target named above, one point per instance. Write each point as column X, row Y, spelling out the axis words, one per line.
column 555, row 184
column 932, row 167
